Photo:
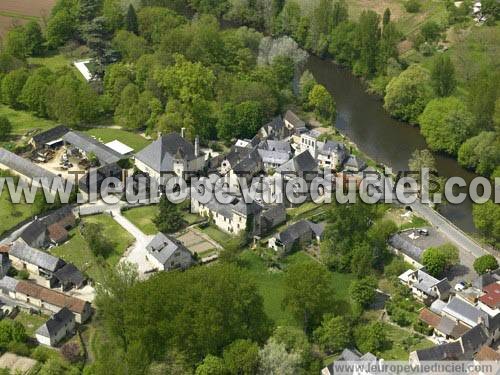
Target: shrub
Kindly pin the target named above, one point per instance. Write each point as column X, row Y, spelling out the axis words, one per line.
column 23, row 275
column 485, row 263
column 412, row 6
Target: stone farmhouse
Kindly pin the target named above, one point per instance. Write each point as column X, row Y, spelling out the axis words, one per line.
column 296, row 235
column 165, row 253
column 424, row 287
column 58, row 327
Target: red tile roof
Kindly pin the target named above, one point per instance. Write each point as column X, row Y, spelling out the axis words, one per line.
column 4, row 248
column 427, row 316
column 487, row 354
column 491, row 297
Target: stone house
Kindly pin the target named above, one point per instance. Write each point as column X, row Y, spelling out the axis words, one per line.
column 299, row 234
column 58, row 327
column 425, row 287
column 165, row 253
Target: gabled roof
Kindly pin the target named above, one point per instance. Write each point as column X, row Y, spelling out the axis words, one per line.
column 25, row 167
column 484, row 280
column 276, row 124
column 162, row 247
column 91, row 145
column 463, row 311
column 296, row 230
column 273, row 145
column 274, row 157
column 400, row 243
column 300, row 164
column 58, row 321
column 450, row 351
column 329, row 147
column 430, row 318
column 8, row 284
column 34, row 256
column 293, row 119
column 51, row 134
column 491, row 295
column 160, row 154
column 33, row 231
column 356, row 162
column 451, row 328
column 249, row 163
column 52, row 297
column 69, row 274
column 473, row 339
column 487, row 354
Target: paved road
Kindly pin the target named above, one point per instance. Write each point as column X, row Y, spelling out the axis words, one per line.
column 455, row 235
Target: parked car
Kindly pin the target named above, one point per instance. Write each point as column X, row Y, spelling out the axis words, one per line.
column 460, row 286
column 423, row 232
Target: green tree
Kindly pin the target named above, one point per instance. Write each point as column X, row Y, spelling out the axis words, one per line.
column 412, row 6
column 446, row 124
column 430, row 31
column 422, row 159
column 368, row 41
column 24, row 41
column 308, row 293
column 362, row 291
column 439, row 259
column 113, row 13
column 481, row 153
column 130, row 46
column 487, row 220
column 12, row 86
column 443, row 75
column 483, row 93
column 306, row 84
column 131, row 23
column 34, row 93
column 334, row 334
column 5, row 128
column 96, row 241
column 240, row 121
column 168, row 219
column 322, row 102
column 408, row 94
column 60, row 28
column 211, row 365
column 242, row 357
column 387, row 17
column 372, row 337
column 275, row 359
column 485, row 264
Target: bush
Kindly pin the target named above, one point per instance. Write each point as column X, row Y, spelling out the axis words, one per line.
column 72, row 352
column 23, row 275
column 19, row 348
column 423, row 328
column 412, row 6
column 485, row 263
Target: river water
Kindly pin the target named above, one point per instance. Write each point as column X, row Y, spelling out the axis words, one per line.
column 362, row 118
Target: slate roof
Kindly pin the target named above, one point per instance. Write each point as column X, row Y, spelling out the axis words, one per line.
column 272, row 145
column 329, row 147
column 33, row 231
column 8, row 284
column 463, row 311
column 25, row 167
column 274, row 157
column 448, row 351
column 293, row 119
column 69, row 274
column 50, row 135
column 57, row 322
column 34, row 256
column 426, row 283
column 400, row 243
column 355, row 162
column 52, row 297
column 297, row 230
column 486, row 279
column 237, row 205
column 299, row 164
column 451, row 328
column 274, row 126
column 249, row 163
column 101, row 173
column 91, row 145
column 350, row 355
column 160, row 154
column 473, row 339
column 162, row 247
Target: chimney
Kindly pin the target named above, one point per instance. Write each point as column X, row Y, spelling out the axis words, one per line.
column 183, row 130
column 197, row 146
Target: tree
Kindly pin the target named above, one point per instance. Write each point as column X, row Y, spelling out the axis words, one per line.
column 322, row 102
column 487, row 220
column 306, row 84
column 408, row 94
column 5, row 128
column 362, row 291
column 308, row 293
column 485, row 263
column 211, row 365
column 97, row 242
column 481, row 153
column 334, row 334
column 242, row 357
column 412, row 6
column 387, row 17
column 168, row 219
column 438, row 259
column 131, row 23
column 12, row 86
column 368, row 41
column 371, row 338
column 446, row 124
column 483, row 93
column 34, row 93
column 130, row 46
column 241, row 120
column 422, row 159
column 11, row 331
column 276, row 360
column 443, row 75
column 60, row 28
column 430, row 31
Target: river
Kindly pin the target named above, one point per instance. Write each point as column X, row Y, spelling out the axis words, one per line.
column 361, row 117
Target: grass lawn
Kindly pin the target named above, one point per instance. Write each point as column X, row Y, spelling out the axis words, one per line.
column 142, row 218
column 31, row 322
column 12, row 214
column 134, row 140
column 77, row 251
column 216, row 234
column 23, row 122
column 54, row 63
column 397, row 351
column 271, row 284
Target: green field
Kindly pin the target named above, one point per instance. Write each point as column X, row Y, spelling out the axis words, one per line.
column 217, row 235
column 271, row 284
column 77, row 251
column 31, row 322
column 397, row 350
column 134, row 140
column 54, row 63
column 142, row 218
column 24, row 122
column 13, row 214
